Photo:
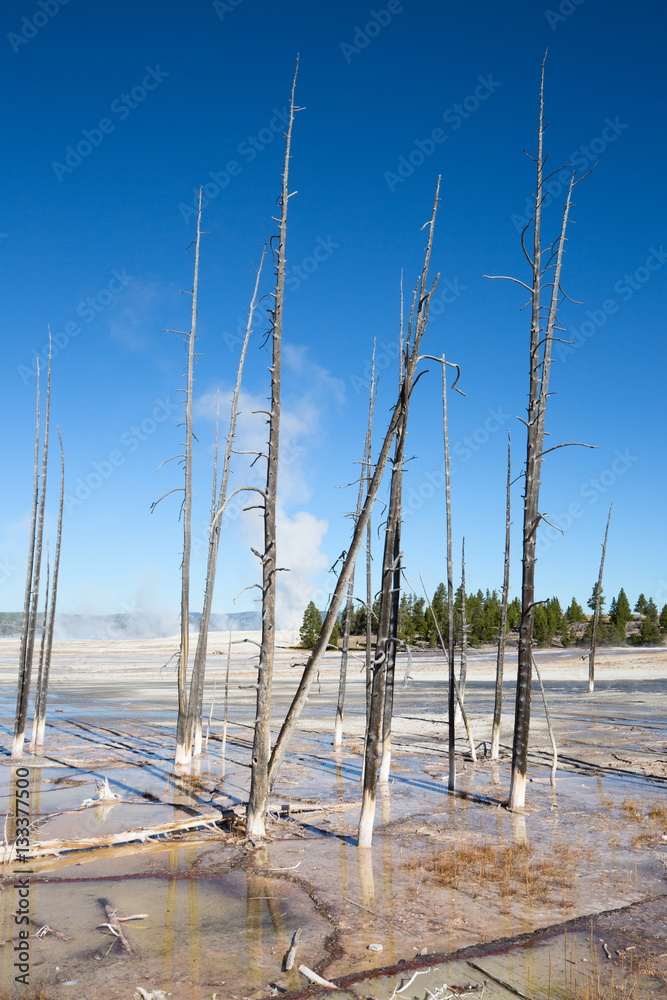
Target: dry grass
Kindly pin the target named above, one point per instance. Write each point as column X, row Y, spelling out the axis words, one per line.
column 514, row 869
column 651, row 817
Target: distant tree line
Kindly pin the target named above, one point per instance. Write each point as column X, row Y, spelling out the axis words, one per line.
column 415, row 622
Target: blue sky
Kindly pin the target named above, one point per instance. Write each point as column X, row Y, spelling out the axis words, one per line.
column 119, row 111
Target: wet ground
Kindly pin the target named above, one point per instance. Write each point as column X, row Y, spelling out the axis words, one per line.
column 447, row 872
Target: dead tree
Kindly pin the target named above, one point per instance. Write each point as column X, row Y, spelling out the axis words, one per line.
column 459, row 696
column 259, row 776
column 451, row 696
column 596, row 615
column 193, row 737
column 500, row 663
column 26, row 666
column 39, row 722
column 369, row 544
column 342, row 681
column 545, row 276
column 385, row 649
column 310, row 670
column 464, row 624
column 42, row 646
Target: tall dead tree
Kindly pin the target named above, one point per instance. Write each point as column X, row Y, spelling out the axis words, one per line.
column 385, row 648
column 463, row 673
column 259, row 775
column 182, row 756
column 596, row 615
column 39, row 722
column 193, row 737
column 452, row 686
column 369, row 545
column 500, row 662
column 301, row 696
column 545, row 278
column 26, row 667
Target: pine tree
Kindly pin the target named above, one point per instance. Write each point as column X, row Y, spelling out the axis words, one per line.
column 358, row 621
column 575, row 612
column 663, row 618
column 650, row 634
column 652, row 610
column 592, row 600
column 311, row 626
column 541, row 626
column 565, row 636
column 640, row 606
column 513, row 614
column 335, row 634
column 623, row 610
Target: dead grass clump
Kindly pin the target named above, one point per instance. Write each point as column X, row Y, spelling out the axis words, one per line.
column 514, row 869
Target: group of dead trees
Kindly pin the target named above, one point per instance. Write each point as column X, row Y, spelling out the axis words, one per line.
column 38, row 553
column 545, row 294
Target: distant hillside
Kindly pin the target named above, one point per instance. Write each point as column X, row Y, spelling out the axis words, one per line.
column 129, row 626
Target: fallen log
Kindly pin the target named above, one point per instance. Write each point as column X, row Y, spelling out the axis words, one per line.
column 115, row 927
column 142, row 834
column 291, row 954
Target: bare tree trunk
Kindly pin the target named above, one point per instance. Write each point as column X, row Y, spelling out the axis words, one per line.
column 500, row 664
column 301, row 695
column 554, row 760
column 340, row 707
column 464, row 624
column 459, row 696
column 42, row 649
column 196, row 699
column 259, row 780
column 596, row 616
column 451, row 707
column 539, row 389
column 384, row 647
column 182, row 755
column 369, row 544
column 24, row 684
column 41, row 710
column 21, row 694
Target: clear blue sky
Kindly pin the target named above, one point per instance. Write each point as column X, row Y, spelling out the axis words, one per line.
column 163, row 95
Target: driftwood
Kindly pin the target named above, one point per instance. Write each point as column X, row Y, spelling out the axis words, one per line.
column 296, row 808
column 291, row 954
column 115, row 928
column 314, row 978
column 141, row 834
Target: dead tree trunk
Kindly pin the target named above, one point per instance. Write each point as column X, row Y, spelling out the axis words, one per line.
column 301, row 695
column 385, row 649
column 369, row 550
column 24, row 683
column 42, row 649
column 182, row 756
column 259, row 779
column 500, row 664
column 596, row 616
column 453, row 691
column 464, row 625
column 541, row 339
column 44, row 690
column 22, row 680
column 193, row 739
